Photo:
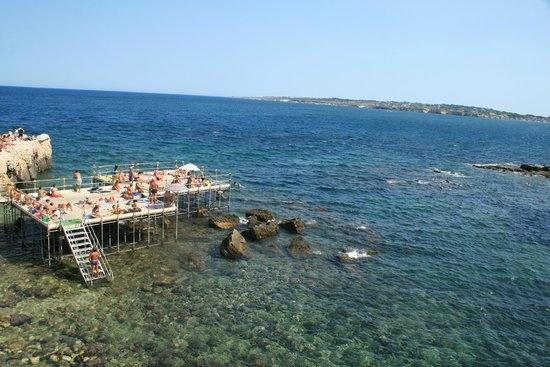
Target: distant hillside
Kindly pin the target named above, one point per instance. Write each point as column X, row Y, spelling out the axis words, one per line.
column 441, row 109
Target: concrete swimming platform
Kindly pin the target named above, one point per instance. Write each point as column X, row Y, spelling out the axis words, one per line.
column 120, row 207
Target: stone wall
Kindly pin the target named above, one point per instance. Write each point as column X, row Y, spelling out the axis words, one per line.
column 25, row 159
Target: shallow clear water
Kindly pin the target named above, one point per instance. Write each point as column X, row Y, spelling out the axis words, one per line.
column 462, row 277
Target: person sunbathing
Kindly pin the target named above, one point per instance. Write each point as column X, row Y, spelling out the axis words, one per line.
column 41, row 192
column 128, row 194
column 139, row 188
column 116, row 209
column 116, row 186
column 54, row 192
column 95, row 211
column 135, row 207
column 120, row 176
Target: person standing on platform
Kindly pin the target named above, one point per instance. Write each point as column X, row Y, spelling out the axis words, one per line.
column 77, row 180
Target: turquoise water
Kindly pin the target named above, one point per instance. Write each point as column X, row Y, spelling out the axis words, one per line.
column 462, row 277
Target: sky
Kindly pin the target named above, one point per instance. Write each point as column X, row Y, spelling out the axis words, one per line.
column 488, row 53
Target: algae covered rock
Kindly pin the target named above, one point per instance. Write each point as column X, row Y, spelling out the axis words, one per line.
column 294, row 225
column 194, row 259
column 263, row 215
column 224, row 221
column 299, row 245
column 19, row 319
column 233, row 246
column 261, row 231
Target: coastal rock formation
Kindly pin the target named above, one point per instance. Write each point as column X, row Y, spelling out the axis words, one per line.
column 224, row 221
column 25, row 159
column 526, row 169
column 261, row 231
column 263, row 215
column 233, row 246
column 299, row 246
column 294, row 225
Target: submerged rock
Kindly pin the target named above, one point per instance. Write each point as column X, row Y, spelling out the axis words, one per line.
column 19, row 319
column 294, row 225
column 224, row 221
column 261, row 231
column 233, row 246
column 526, row 169
column 162, row 280
column 263, row 215
column 299, row 245
column 195, row 259
column 9, row 301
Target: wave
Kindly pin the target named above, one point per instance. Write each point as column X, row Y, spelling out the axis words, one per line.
column 449, row 173
column 355, row 254
column 394, row 182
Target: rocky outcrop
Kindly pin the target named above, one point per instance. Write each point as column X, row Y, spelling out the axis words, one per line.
column 299, row 246
column 224, row 221
column 262, row 215
column 261, row 231
column 233, row 246
column 25, row 159
column 294, row 225
column 526, row 169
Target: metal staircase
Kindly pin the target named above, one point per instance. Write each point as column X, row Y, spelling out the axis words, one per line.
column 82, row 239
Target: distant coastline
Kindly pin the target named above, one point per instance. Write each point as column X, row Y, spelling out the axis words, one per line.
column 439, row 109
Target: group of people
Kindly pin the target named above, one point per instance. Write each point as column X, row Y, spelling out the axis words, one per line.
column 11, row 137
column 41, row 206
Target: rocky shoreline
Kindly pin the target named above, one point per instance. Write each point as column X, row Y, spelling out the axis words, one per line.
column 525, row 169
column 25, row 159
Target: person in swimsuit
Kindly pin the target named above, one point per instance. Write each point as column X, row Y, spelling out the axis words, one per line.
column 153, row 190
column 77, row 180
column 116, row 186
column 95, row 211
column 94, row 261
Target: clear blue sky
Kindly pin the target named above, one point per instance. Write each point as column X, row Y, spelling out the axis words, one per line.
column 493, row 53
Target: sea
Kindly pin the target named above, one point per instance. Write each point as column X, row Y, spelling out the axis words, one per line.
column 460, row 275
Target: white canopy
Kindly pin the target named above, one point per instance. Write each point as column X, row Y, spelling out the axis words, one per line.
column 190, row 167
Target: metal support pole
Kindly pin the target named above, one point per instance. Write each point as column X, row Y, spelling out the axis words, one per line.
column 177, row 203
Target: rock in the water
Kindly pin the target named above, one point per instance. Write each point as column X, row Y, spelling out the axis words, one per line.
column 263, row 215
column 194, row 259
column 224, row 221
column 19, row 319
column 294, row 225
column 299, row 245
column 9, row 301
column 261, row 231
column 233, row 246
column 526, row 169
column 162, row 280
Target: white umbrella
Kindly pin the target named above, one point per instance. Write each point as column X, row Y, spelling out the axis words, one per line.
column 190, row 167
